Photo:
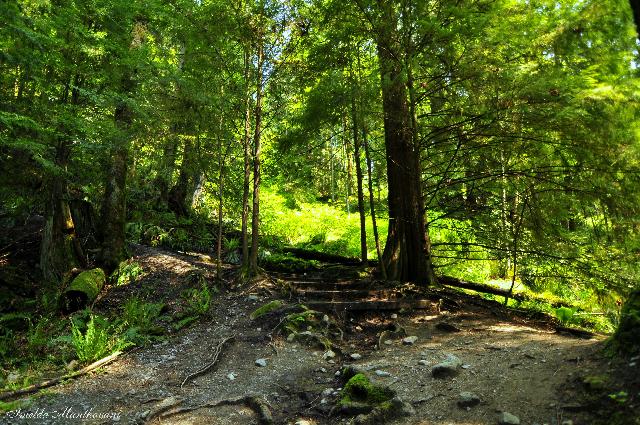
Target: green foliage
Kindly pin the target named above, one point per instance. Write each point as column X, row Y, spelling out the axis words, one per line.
column 8, row 406
column 231, row 244
column 627, row 336
column 286, row 263
column 185, row 321
column 140, row 317
column 302, row 321
column 127, row 273
column 198, row 300
column 565, row 314
column 314, row 225
column 99, row 339
column 621, row 397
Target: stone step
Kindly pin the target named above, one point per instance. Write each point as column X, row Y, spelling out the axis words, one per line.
column 378, row 305
column 347, row 294
column 330, row 285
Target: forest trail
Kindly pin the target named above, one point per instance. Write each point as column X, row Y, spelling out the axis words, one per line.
column 512, row 364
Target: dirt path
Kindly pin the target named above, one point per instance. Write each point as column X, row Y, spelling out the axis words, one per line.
column 510, row 365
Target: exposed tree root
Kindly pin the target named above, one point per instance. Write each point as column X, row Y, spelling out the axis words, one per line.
column 214, row 359
column 255, row 403
column 167, row 406
column 50, row 383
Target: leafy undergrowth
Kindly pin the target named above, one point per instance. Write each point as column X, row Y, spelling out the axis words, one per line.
column 40, row 341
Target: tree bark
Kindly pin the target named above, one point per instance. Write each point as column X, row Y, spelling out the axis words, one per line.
column 372, row 205
column 356, row 155
column 168, row 163
column 247, row 163
column 60, row 250
column 635, row 9
column 114, row 203
column 255, row 216
column 407, row 254
column 181, row 194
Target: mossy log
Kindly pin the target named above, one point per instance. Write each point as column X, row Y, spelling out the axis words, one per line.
column 83, row 289
column 267, row 308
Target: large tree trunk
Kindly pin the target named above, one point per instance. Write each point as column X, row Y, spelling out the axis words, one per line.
column 114, row 204
column 170, row 149
column 60, row 250
column 181, row 194
column 635, row 9
column 255, row 216
column 164, row 177
column 407, row 252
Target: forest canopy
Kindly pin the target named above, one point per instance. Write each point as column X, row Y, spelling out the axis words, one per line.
column 484, row 140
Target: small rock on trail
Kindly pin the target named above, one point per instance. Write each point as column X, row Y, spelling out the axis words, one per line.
column 506, row 418
column 447, row 368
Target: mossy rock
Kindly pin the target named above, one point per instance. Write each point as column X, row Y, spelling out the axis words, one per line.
column 360, row 389
column 267, row 308
column 373, row 404
column 627, row 336
column 83, row 289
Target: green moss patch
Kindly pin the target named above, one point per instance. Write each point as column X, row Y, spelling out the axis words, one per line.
column 267, row 308
column 359, row 389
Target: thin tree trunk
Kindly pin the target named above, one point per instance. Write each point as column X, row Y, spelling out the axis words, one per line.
column 376, row 237
column 356, row 156
column 247, row 164
column 332, row 168
column 345, row 145
column 255, row 216
column 516, row 240
column 220, row 205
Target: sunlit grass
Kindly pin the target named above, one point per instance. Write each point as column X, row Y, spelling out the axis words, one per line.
column 315, row 225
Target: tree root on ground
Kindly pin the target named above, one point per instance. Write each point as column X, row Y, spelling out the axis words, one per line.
column 214, row 359
column 255, row 403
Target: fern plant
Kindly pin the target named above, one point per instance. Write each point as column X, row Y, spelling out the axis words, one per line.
column 99, row 340
column 198, row 300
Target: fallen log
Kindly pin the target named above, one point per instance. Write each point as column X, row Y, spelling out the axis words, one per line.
column 84, row 288
column 307, row 254
column 488, row 289
column 50, row 383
